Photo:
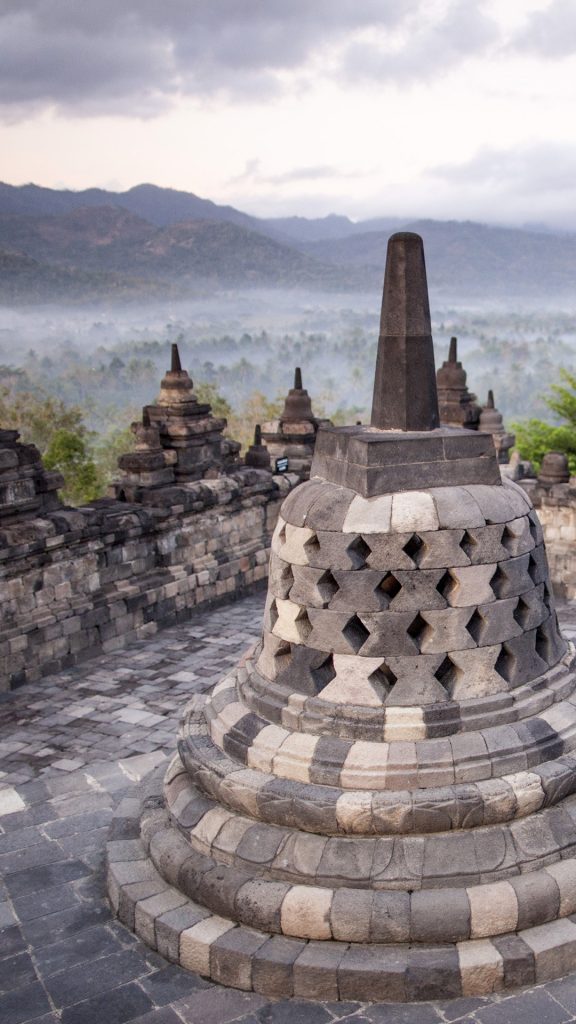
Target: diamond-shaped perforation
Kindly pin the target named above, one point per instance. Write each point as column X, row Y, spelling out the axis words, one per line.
column 323, row 673
column 286, row 579
column 547, row 597
column 303, row 625
column 533, row 569
column 534, row 532
column 505, row 664
column 543, row 646
column 327, row 586
column 383, row 680
column 499, row 583
column 282, row 657
column 448, row 674
column 273, row 614
column 508, row 540
column 476, row 626
column 415, row 548
column 312, row 546
column 522, row 613
column 446, row 586
column 418, row 630
column 387, row 589
column 282, row 534
column 469, row 545
column 355, row 633
column 359, row 551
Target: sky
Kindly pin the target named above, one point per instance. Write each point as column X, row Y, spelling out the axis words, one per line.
column 413, row 108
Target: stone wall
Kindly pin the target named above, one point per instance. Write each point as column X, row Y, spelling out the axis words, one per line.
column 556, row 507
column 76, row 582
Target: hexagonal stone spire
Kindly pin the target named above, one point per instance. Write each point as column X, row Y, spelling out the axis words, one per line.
column 405, row 396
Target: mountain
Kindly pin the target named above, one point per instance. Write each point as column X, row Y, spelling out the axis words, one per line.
column 466, row 258
column 160, row 206
column 151, row 240
column 129, row 254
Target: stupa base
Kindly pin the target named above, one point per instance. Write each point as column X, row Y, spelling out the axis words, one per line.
column 185, row 932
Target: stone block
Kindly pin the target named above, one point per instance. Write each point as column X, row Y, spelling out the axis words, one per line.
column 231, row 957
column 272, row 966
column 538, row 898
column 316, row 971
column 195, row 943
column 258, row 904
column 413, row 510
column 456, row 508
column 350, row 914
column 369, row 515
column 148, row 910
column 483, row 544
column 328, row 510
column 305, row 912
column 493, row 909
column 346, row 861
column 375, row 972
column 170, row 925
column 390, row 917
column 433, row 973
column 296, row 505
column 439, row 915
column 497, row 504
column 554, row 948
column 481, row 967
column 518, row 959
column 445, row 630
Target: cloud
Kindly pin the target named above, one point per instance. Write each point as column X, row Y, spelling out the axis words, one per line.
column 536, row 169
column 549, row 33
column 136, row 57
column 318, row 172
column 431, row 47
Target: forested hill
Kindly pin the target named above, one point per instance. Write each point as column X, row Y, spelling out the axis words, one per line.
column 152, row 241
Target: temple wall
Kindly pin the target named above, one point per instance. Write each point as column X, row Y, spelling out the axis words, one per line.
column 77, row 582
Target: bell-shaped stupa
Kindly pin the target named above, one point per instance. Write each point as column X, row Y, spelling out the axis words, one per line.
column 376, row 803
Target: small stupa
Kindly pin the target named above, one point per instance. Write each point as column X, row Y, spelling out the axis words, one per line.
column 292, row 436
column 178, row 440
column 378, row 802
column 492, row 421
column 457, row 405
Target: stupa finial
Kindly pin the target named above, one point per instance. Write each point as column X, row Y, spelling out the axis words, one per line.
column 175, row 364
column 453, row 350
column 405, row 396
column 490, row 402
column 298, row 379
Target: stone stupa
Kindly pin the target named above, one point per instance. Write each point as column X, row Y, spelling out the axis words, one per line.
column 376, row 802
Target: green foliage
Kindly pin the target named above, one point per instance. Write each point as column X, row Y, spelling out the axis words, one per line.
column 69, row 454
column 208, row 393
column 564, row 401
column 38, row 416
column 535, row 437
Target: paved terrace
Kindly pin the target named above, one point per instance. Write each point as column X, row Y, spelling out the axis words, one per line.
column 71, row 747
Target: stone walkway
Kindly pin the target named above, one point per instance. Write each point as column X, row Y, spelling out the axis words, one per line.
column 70, row 747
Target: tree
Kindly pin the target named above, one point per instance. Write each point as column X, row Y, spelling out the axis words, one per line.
column 68, row 453
column 536, row 437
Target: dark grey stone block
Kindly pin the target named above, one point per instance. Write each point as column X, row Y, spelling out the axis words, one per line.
column 433, row 973
column 374, row 973
column 538, row 898
column 272, row 965
column 231, row 957
column 258, row 904
column 518, row 960
column 440, row 915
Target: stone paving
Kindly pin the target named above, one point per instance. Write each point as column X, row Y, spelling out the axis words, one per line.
column 70, row 748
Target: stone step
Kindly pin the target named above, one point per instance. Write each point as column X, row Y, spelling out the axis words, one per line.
column 282, row 966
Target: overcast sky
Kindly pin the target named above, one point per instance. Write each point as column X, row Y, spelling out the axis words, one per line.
column 442, row 108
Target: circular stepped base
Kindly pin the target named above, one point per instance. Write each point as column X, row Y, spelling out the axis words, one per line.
column 187, row 933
